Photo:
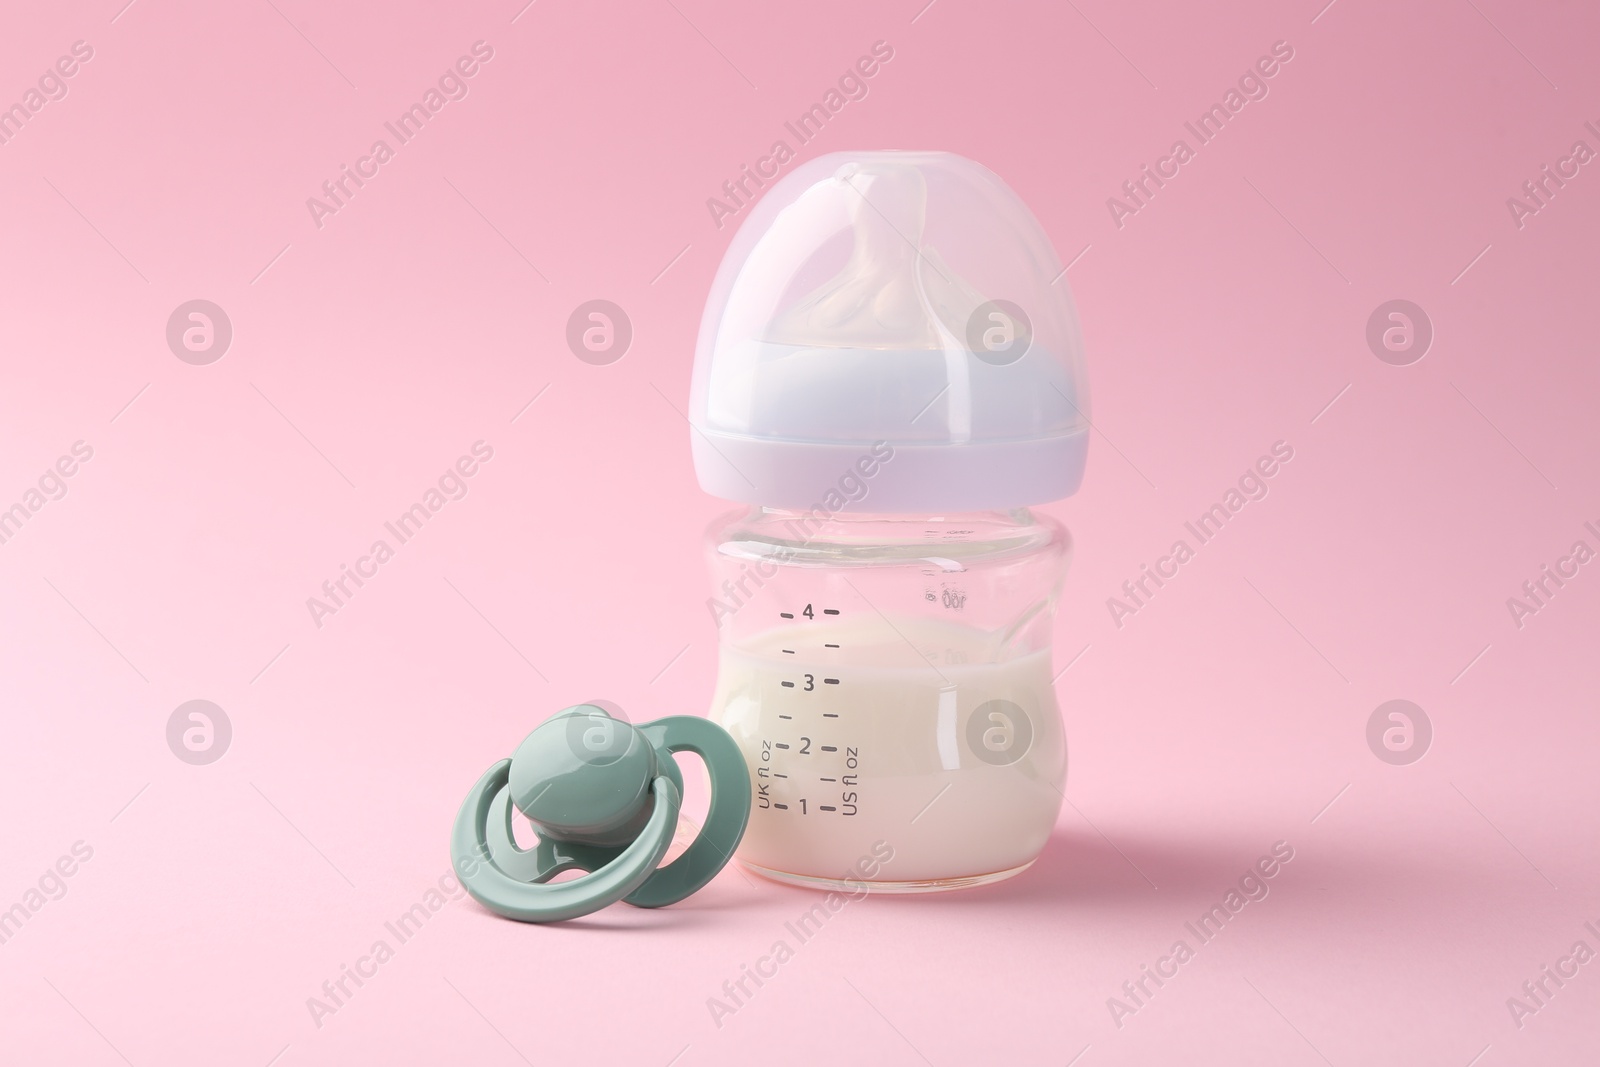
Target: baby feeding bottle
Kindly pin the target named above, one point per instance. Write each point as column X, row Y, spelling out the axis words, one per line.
column 889, row 372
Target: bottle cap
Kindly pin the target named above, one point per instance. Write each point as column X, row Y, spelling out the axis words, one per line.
column 890, row 332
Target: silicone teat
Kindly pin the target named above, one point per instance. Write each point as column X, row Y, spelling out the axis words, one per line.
column 895, row 292
column 603, row 796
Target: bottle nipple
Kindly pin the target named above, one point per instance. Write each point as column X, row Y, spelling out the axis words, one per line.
column 895, row 291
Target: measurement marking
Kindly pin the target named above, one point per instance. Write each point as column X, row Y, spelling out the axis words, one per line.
column 830, row 611
column 830, row 681
column 782, row 744
column 830, row 715
column 776, row 775
column 785, row 716
column 788, row 685
column 827, row 807
column 830, row 646
column 827, row 779
column 786, row 614
column 788, row 651
column 830, row 748
column 781, row 807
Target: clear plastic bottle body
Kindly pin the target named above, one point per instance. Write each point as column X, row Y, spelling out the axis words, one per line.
column 888, row 679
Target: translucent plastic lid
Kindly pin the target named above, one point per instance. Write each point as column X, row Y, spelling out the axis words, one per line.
column 898, row 311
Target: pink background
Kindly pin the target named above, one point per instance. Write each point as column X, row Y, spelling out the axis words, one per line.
column 370, row 353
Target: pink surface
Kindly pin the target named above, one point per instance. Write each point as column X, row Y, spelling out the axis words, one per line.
column 1227, row 313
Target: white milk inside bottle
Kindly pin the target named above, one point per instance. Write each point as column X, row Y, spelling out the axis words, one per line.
column 856, row 736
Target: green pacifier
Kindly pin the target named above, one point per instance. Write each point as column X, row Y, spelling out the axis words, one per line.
column 603, row 796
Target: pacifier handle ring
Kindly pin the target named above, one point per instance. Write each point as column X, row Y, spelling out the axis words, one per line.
column 505, row 895
column 522, row 864
column 725, row 821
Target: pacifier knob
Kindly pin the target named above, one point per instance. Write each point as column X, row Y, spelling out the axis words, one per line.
column 584, row 776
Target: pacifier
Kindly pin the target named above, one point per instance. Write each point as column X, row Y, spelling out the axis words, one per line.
column 603, row 796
